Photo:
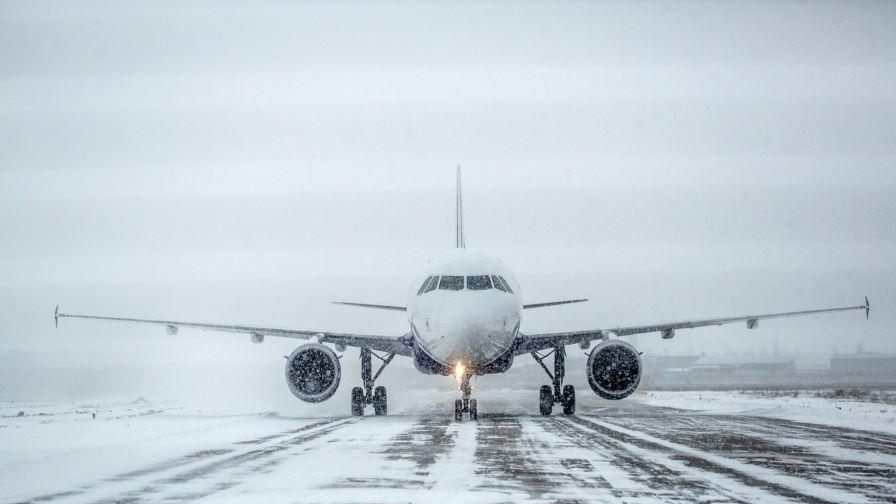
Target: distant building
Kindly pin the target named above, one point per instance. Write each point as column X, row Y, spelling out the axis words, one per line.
column 691, row 371
column 745, row 365
column 660, row 363
column 865, row 365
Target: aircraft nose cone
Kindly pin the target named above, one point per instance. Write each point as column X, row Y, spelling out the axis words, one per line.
column 469, row 332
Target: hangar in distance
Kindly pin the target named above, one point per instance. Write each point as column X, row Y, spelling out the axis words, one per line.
column 464, row 313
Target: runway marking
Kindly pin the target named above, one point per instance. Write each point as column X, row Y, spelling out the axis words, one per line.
column 750, row 474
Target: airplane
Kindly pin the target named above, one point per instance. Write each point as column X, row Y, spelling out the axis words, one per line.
column 464, row 312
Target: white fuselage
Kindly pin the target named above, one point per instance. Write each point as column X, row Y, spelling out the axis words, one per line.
column 470, row 323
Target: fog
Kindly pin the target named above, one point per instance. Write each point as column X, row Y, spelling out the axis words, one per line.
column 230, row 162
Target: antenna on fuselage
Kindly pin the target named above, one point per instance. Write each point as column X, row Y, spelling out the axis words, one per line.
column 459, row 232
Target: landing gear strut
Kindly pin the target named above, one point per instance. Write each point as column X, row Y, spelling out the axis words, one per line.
column 465, row 405
column 548, row 395
column 369, row 394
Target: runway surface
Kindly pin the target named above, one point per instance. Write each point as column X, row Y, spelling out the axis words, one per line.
column 609, row 452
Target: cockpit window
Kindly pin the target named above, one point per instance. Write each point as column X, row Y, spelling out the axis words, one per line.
column 501, row 283
column 425, row 283
column 429, row 284
column 433, row 283
column 506, row 285
column 451, row 283
column 479, row 282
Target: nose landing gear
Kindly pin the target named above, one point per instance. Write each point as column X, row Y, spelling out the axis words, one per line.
column 548, row 395
column 465, row 405
column 369, row 395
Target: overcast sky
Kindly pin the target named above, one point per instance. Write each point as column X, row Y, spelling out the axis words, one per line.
column 249, row 162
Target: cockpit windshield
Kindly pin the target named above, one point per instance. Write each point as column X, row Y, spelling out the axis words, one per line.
column 451, row 283
column 456, row 283
column 479, row 282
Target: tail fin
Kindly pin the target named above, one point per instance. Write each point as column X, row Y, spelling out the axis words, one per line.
column 459, row 232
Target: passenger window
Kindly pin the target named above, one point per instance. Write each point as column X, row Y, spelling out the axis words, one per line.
column 433, row 282
column 498, row 284
column 479, row 282
column 423, row 287
column 451, row 283
column 506, row 285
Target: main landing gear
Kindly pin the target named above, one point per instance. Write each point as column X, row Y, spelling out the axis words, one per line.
column 369, row 394
column 465, row 405
column 548, row 395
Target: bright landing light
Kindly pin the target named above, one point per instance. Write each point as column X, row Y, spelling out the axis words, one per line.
column 459, row 370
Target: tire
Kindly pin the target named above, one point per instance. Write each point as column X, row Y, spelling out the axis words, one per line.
column 357, row 402
column 458, row 410
column 569, row 400
column 545, row 400
column 379, row 401
column 474, row 415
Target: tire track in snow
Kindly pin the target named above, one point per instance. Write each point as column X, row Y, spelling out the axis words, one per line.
column 753, row 476
column 423, row 443
column 826, row 456
column 172, row 463
column 232, row 460
column 503, row 463
column 221, row 472
column 654, row 475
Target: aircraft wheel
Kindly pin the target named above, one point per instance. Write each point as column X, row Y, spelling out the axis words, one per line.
column 458, row 410
column 546, row 400
column 569, row 400
column 357, row 401
column 379, row 401
column 474, row 415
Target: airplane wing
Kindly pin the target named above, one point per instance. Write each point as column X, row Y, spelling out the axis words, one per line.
column 375, row 306
column 392, row 344
column 553, row 303
column 534, row 342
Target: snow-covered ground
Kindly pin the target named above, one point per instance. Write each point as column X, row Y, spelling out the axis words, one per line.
column 56, row 447
column 625, row 451
column 802, row 408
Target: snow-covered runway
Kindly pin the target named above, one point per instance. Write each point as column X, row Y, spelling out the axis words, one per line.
column 620, row 452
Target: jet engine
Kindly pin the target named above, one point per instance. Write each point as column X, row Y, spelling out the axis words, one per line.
column 614, row 369
column 313, row 372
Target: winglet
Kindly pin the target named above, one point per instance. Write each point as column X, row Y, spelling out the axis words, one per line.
column 867, row 308
column 459, row 232
column 56, row 316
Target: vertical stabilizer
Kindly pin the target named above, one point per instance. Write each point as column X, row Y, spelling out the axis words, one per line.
column 459, row 232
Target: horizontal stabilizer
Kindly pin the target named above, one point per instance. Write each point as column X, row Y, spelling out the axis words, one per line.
column 375, row 306
column 553, row 303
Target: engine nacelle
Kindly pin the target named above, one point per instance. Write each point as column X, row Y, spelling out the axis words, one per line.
column 614, row 369
column 313, row 372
